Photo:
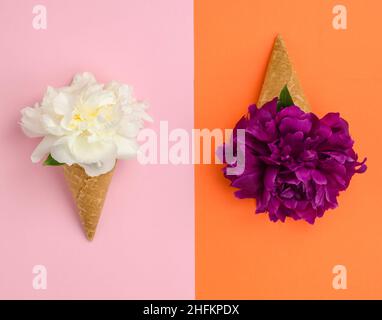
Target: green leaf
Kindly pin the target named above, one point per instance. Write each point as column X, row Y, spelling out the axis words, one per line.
column 285, row 99
column 50, row 161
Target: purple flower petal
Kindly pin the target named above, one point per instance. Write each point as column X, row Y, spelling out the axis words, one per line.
column 270, row 177
column 318, row 177
column 293, row 125
column 303, row 174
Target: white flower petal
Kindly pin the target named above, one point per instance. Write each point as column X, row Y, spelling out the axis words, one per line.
column 146, row 117
column 81, row 79
column 51, row 126
column 62, row 154
column 126, row 148
column 60, row 150
column 129, row 129
column 101, row 98
column 63, row 103
column 43, row 148
column 85, row 151
column 47, row 100
column 95, row 169
column 124, row 93
column 31, row 122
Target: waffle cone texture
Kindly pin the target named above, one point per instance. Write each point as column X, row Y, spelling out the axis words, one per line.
column 280, row 72
column 89, row 194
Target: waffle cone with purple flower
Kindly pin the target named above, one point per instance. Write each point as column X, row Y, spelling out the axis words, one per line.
column 296, row 164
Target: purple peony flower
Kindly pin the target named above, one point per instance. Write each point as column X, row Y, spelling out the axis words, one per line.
column 295, row 163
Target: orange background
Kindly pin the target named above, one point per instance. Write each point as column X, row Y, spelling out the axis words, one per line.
column 243, row 255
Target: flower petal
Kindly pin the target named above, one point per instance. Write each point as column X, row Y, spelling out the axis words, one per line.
column 43, row 148
column 318, row 177
column 63, row 103
column 60, row 151
column 126, row 148
column 31, row 122
column 270, row 177
column 101, row 167
column 92, row 152
column 303, row 174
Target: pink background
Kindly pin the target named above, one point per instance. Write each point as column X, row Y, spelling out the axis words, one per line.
column 144, row 246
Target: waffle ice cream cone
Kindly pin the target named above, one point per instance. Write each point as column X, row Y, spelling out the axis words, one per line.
column 280, row 72
column 89, row 194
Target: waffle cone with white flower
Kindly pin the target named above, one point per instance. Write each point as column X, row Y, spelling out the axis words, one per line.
column 86, row 127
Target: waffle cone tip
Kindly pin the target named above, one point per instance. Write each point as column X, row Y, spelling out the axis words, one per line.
column 280, row 72
column 90, row 235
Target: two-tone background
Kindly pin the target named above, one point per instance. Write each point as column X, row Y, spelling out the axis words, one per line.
column 177, row 232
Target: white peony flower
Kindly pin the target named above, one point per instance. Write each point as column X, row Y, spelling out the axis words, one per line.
column 87, row 123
